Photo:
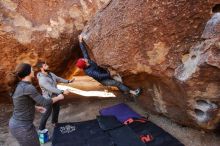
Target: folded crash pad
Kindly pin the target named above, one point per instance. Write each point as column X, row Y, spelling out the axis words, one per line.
column 121, row 111
column 121, row 134
column 160, row 137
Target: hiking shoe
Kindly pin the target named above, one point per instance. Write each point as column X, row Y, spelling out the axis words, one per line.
column 43, row 136
column 138, row 92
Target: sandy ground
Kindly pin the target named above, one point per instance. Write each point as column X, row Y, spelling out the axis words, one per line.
column 88, row 109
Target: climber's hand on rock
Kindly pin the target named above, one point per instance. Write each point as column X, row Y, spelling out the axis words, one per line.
column 80, row 38
column 113, row 73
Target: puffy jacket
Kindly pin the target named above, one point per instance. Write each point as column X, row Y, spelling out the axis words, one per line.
column 97, row 72
column 93, row 70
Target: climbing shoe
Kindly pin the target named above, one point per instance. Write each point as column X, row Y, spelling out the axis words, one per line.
column 138, row 92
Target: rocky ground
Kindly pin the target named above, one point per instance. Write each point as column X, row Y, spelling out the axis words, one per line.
column 81, row 110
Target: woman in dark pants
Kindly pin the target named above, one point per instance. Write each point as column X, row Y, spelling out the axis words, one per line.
column 24, row 96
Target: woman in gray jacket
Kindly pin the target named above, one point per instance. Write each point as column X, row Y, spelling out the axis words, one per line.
column 24, row 96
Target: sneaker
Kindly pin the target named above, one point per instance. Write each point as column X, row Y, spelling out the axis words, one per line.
column 43, row 136
column 138, row 92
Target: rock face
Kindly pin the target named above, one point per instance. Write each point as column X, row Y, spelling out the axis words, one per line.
column 158, row 45
column 39, row 29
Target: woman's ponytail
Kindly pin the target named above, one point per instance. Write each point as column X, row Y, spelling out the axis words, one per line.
column 13, row 81
column 22, row 70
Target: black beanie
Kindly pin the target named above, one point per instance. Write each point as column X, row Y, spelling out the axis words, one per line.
column 25, row 70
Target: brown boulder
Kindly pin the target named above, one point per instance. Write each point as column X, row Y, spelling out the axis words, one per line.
column 39, row 29
column 158, row 45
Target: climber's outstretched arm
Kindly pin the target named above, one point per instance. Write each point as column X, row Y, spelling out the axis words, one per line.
column 83, row 48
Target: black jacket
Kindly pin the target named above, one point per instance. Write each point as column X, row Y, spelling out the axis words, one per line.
column 93, row 70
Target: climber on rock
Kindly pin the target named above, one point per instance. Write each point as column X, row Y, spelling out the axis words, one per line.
column 100, row 74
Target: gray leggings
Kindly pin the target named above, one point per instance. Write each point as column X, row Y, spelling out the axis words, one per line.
column 25, row 135
column 119, row 85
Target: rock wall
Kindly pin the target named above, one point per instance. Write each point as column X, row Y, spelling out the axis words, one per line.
column 41, row 29
column 160, row 46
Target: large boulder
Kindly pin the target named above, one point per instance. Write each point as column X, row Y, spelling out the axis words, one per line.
column 41, row 29
column 157, row 45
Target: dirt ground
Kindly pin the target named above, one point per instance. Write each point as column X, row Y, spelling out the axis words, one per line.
column 88, row 109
